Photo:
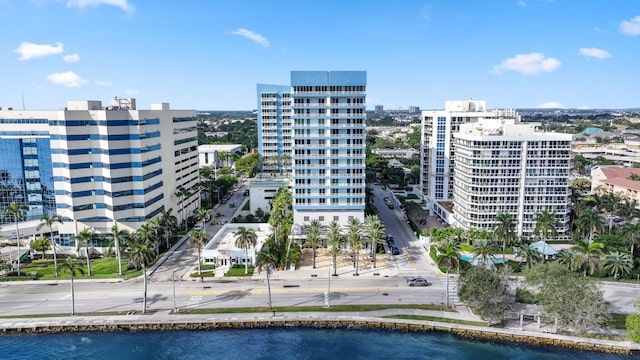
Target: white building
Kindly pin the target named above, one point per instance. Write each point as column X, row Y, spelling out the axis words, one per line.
column 274, row 127
column 438, row 150
column 505, row 167
column 209, row 155
column 96, row 166
column 262, row 191
column 222, row 251
column 396, row 153
column 328, row 149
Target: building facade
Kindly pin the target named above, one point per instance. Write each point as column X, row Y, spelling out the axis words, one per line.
column 506, row 167
column 438, row 149
column 328, row 145
column 209, row 155
column 274, row 127
column 97, row 166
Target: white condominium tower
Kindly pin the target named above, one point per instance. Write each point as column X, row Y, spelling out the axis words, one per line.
column 274, row 127
column 437, row 150
column 97, row 166
column 328, row 149
column 504, row 167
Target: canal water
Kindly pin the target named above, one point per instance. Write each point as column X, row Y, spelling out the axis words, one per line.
column 277, row 343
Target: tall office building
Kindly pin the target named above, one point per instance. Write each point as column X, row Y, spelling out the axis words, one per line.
column 505, row 167
column 437, row 150
column 96, row 166
column 328, row 149
column 274, row 127
column 379, row 110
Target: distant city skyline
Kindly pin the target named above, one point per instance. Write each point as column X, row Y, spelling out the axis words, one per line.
column 210, row 55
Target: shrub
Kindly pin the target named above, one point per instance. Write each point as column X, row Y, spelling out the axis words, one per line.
column 525, row 296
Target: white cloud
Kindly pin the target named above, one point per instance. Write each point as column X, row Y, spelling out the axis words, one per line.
column 71, row 57
column 528, row 64
column 122, row 4
column 257, row 38
column 631, row 27
column 103, row 83
column 584, row 107
column 595, row 52
column 522, row 3
column 131, row 92
column 29, row 50
column 551, row 105
column 67, row 79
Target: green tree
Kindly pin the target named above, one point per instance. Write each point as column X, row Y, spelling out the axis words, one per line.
column 40, row 244
column 484, row 252
column 631, row 233
column 588, row 256
column 374, row 232
column 266, row 261
column 182, row 193
column 569, row 300
column 313, row 237
column 504, row 230
column 334, row 239
column 73, row 268
column 16, row 211
column 354, row 238
column 84, row 237
column 486, row 292
column 48, row 221
column 203, row 215
column 198, row 240
column 589, row 223
column 546, row 225
column 118, row 236
column 618, row 264
column 141, row 255
column 245, row 239
column 448, row 255
column 530, row 254
column 633, row 324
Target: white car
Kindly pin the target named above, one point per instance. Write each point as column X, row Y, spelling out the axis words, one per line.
column 198, row 226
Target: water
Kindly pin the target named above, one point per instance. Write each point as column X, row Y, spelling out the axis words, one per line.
column 280, row 344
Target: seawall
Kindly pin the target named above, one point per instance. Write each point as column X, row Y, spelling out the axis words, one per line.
column 212, row 322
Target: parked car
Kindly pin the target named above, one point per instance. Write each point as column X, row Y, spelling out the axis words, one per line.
column 391, row 243
column 395, row 250
column 246, row 192
column 198, row 226
column 390, row 206
column 418, row 282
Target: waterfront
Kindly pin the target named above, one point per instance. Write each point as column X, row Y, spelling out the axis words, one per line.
column 279, row 343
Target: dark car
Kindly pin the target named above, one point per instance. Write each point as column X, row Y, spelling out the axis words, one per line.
column 246, row 192
column 391, row 243
column 390, row 206
column 395, row 250
column 418, row 282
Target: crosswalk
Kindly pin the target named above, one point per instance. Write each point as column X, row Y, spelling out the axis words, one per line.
column 453, row 289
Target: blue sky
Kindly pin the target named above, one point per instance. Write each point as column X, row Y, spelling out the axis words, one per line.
column 210, row 54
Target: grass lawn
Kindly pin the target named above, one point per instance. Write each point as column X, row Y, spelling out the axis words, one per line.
column 239, row 271
column 105, row 268
column 435, row 318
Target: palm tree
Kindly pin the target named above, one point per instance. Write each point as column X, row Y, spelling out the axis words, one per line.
column 84, row 237
column 546, row 224
column 313, row 237
column 628, row 209
column 16, row 211
column 530, row 254
column 118, row 236
column 203, row 215
column 197, row 240
column 48, row 221
column 609, row 203
column 147, row 234
column 334, row 239
column 40, row 244
column 449, row 257
column 588, row 256
column 375, row 232
column 631, row 233
column 504, row 230
column 140, row 255
column 72, row 268
column 618, row 264
column 589, row 223
column 246, row 238
column 354, row 236
column 567, row 257
column 169, row 224
column 266, row 261
column 484, row 251
column 182, row 193
column 356, row 247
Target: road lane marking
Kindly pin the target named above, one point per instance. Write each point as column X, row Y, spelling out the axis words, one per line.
column 201, row 293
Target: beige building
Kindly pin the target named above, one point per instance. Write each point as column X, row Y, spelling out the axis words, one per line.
column 617, row 180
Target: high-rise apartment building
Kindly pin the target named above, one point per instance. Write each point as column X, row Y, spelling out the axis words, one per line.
column 378, row 110
column 505, row 167
column 96, row 166
column 437, row 150
column 328, row 145
column 274, row 127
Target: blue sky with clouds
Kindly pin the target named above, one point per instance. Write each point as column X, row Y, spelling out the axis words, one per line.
column 209, row 55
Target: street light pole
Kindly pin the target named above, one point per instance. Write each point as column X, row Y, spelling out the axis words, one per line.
column 173, row 278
